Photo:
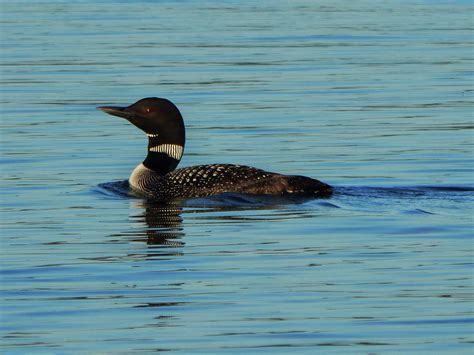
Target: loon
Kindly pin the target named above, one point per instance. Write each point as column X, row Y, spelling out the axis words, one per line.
column 157, row 178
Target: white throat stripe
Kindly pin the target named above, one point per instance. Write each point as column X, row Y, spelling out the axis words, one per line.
column 173, row 150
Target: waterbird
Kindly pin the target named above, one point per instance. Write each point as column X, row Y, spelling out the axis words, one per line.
column 157, row 177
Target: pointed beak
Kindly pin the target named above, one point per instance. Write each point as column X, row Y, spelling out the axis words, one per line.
column 116, row 111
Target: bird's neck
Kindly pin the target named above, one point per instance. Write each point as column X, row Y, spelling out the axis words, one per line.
column 164, row 153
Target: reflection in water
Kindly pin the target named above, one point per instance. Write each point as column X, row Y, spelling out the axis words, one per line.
column 163, row 223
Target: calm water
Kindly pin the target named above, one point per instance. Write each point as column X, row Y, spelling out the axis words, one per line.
column 374, row 98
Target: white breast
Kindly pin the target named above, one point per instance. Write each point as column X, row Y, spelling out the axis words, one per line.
column 138, row 174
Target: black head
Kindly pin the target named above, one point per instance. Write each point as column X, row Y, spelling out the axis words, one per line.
column 154, row 116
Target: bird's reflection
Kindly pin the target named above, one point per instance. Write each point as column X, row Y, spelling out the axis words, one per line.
column 160, row 224
column 163, row 223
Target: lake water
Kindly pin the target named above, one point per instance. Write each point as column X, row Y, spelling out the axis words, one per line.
column 374, row 98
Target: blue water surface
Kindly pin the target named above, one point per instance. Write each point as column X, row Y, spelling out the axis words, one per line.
column 374, row 98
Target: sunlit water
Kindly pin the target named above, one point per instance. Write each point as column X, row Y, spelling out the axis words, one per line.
column 374, row 98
